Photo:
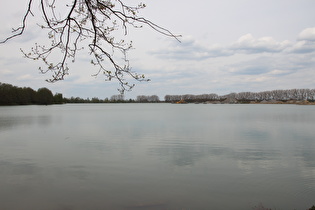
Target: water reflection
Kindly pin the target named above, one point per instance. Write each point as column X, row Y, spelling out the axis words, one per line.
column 254, row 155
column 185, row 155
column 18, row 168
column 13, row 117
column 11, row 122
column 181, row 155
column 156, row 157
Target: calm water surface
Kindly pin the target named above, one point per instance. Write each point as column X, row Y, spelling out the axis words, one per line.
column 157, row 156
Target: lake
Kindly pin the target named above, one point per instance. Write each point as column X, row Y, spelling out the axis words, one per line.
column 157, row 156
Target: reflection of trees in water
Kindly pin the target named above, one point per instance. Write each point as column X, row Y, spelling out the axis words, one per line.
column 24, row 172
column 308, row 157
column 19, row 175
column 189, row 154
column 304, row 151
column 306, row 162
column 19, row 168
column 255, row 155
column 12, row 122
column 181, row 155
column 250, row 160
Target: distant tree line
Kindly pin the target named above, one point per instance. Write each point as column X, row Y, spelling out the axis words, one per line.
column 120, row 98
column 113, row 99
column 148, row 99
column 193, row 98
column 12, row 95
column 278, row 95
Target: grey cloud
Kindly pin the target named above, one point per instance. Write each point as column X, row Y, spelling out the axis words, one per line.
column 254, row 70
column 247, row 44
column 252, row 67
column 303, row 47
column 307, row 34
column 190, row 49
column 276, row 67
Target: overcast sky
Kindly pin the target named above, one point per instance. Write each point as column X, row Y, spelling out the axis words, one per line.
column 226, row 46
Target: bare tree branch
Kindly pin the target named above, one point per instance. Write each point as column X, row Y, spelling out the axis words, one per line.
column 20, row 30
column 94, row 22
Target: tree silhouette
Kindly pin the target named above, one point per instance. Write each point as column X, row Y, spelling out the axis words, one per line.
column 44, row 96
column 93, row 23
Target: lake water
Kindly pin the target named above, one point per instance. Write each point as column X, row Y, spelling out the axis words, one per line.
column 157, row 156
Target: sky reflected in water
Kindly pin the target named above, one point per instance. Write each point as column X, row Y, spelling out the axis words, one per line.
column 157, row 156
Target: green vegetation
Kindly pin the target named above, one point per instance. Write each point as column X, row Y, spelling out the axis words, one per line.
column 12, row 95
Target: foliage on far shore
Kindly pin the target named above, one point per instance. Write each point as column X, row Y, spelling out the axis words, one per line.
column 12, row 95
column 274, row 96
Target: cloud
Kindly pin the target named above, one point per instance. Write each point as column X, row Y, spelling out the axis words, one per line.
column 302, row 47
column 305, row 42
column 191, row 49
column 248, row 44
column 254, row 70
column 275, row 66
column 307, row 34
column 279, row 72
column 25, row 77
column 248, row 63
column 253, row 67
column 6, row 72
